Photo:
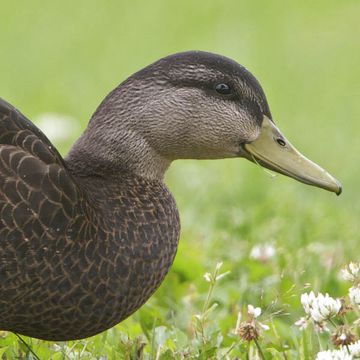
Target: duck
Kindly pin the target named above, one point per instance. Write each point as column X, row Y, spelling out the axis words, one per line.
column 86, row 239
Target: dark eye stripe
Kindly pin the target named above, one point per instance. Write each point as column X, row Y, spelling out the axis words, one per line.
column 223, row 89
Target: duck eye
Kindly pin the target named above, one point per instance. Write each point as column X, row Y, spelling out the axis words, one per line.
column 223, row 89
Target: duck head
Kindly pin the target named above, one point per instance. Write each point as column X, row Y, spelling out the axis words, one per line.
column 192, row 105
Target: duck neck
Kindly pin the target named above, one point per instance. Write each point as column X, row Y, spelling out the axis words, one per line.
column 116, row 153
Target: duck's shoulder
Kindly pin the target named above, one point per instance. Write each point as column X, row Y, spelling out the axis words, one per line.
column 36, row 189
column 17, row 130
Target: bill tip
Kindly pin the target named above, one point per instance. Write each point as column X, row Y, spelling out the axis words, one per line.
column 340, row 189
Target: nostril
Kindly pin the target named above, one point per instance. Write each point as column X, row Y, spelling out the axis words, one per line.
column 281, row 142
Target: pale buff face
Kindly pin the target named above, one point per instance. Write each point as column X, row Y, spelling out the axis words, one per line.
column 182, row 115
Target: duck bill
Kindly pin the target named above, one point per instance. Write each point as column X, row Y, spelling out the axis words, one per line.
column 273, row 151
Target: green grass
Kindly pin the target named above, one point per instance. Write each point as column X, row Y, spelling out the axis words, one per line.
column 64, row 56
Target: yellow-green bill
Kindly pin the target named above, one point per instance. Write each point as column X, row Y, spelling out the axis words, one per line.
column 273, row 151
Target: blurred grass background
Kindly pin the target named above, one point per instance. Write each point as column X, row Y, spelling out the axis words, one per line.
column 65, row 56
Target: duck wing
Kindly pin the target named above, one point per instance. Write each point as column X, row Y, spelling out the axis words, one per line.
column 38, row 201
column 16, row 130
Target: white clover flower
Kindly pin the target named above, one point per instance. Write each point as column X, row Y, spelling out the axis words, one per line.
column 349, row 352
column 251, row 328
column 343, row 336
column 307, row 301
column 354, row 268
column 253, row 311
column 321, row 327
column 354, row 295
column 325, row 308
column 302, row 323
column 263, row 252
column 320, row 307
column 351, row 272
column 333, row 355
column 355, row 349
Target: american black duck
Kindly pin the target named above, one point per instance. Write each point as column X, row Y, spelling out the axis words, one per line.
column 86, row 240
